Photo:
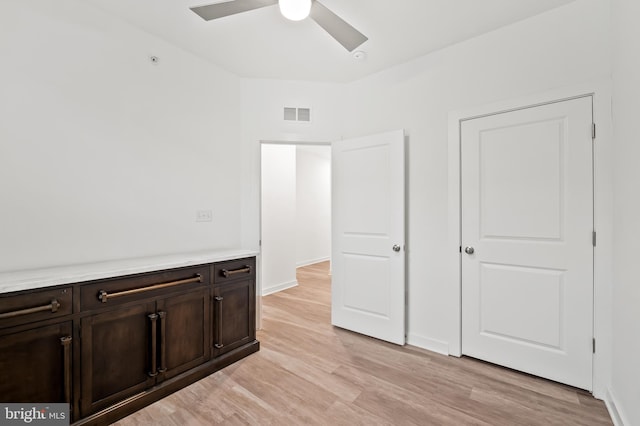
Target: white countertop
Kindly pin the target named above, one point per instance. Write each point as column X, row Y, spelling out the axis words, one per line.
column 47, row 277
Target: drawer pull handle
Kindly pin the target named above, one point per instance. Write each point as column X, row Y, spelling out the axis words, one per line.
column 103, row 295
column 53, row 307
column 163, row 342
column 218, row 312
column 153, row 371
column 66, row 356
column 244, row 270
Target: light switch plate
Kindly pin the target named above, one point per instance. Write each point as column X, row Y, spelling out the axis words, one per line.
column 204, row 216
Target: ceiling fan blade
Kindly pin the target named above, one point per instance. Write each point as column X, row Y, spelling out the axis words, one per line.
column 219, row 10
column 337, row 28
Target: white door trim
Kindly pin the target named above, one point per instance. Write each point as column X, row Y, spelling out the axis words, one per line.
column 603, row 215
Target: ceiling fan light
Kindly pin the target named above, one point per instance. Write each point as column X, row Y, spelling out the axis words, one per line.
column 295, row 10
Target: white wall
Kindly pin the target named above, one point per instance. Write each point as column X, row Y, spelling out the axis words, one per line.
column 278, row 217
column 313, row 201
column 103, row 154
column 626, row 106
column 559, row 48
column 262, row 119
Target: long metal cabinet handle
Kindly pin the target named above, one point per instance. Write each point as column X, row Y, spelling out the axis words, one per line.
column 66, row 363
column 163, row 352
column 53, row 306
column 246, row 269
column 218, row 344
column 153, row 371
column 103, row 295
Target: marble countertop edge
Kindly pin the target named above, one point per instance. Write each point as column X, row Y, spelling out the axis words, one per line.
column 29, row 279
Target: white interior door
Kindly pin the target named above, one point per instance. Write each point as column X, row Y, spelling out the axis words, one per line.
column 368, row 257
column 527, row 214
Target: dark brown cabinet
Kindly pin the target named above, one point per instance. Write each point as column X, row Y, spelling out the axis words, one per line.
column 184, row 332
column 36, row 364
column 109, row 347
column 115, row 356
column 234, row 305
column 36, row 346
column 233, row 319
column 153, row 328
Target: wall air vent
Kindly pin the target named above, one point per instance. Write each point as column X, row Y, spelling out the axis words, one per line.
column 304, row 114
column 297, row 114
column 290, row 114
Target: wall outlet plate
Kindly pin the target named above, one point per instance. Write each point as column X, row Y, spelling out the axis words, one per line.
column 204, row 216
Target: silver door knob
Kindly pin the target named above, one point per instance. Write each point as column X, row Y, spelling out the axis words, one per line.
column 396, row 248
column 469, row 250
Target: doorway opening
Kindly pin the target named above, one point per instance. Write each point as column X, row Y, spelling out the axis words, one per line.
column 295, row 210
column 367, row 230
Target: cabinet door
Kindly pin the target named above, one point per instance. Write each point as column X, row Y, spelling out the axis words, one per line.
column 183, row 332
column 116, row 355
column 36, row 364
column 234, row 315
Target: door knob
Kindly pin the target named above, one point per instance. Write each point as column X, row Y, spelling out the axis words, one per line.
column 396, row 248
column 469, row 250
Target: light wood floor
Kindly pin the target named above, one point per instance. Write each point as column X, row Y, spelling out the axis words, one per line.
column 310, row 373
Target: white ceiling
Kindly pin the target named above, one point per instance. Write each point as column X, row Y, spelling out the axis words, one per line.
column 263, row 44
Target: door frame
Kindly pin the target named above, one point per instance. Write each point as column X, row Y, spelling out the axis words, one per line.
column 600, row 91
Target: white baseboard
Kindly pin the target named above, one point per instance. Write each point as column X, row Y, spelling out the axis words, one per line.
column 311, row 261
column 429, row 344
column 278, row 287
column 617, row 416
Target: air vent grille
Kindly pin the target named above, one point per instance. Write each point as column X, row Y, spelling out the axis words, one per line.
column 304, row 114
column 297, row 114
column 290, row 114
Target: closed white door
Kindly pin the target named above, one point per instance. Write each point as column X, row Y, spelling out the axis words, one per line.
column 368, row 257
column 527, row 250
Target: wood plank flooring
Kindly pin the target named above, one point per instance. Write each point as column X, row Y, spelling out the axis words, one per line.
column 310, row 373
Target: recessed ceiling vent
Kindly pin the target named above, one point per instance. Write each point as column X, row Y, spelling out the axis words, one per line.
column 297, row 114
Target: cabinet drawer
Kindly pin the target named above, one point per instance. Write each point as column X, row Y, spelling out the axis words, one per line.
column 234, row 269
column 39, row 305
column 116, row 291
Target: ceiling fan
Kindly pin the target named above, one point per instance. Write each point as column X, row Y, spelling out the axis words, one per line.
column 294, row 10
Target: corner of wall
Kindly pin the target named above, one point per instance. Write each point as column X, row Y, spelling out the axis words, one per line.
column 617, row 416
column 279, row 287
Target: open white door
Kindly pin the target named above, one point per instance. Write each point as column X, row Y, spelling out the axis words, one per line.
column 368, row 231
